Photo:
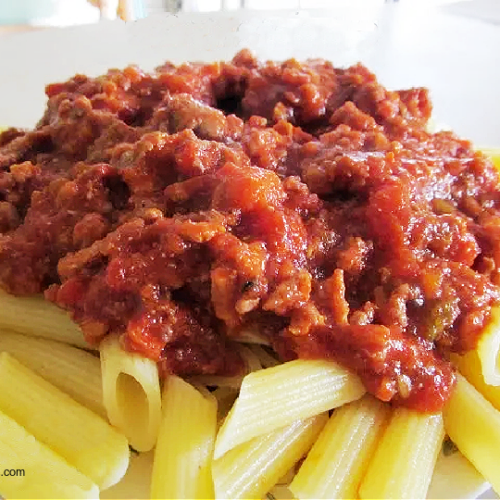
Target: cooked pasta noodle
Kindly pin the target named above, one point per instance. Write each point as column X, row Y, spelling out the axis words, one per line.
column 473, row 424
column 494, row 154
column 75, row 371
column 38, row 317
column 46, row 474
column 339, row 458
column 469, row 366
column 183, row 455
column 277, row 396
column 488, row 349
column 405, row 457
column 254, row 467
column 131, row 392
column 80, row 436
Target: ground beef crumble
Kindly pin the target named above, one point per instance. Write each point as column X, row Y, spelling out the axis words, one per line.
column 181, row 207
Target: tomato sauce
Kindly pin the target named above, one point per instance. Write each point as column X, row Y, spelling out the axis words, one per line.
column 181, row 208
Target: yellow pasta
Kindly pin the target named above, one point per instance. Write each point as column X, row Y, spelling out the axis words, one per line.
column 39, row 318
column 473, row 424
column 183, row 455
column 131, row 392
column 252, row 468
column 74, row 371
column 46, row 474
column 278, row 396
column 405, row 456
column 338, row 460
column 488, row 349
column 494, row 154
column 80, row 436
column 469, row 366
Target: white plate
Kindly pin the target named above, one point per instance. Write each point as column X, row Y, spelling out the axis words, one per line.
column 405, row 44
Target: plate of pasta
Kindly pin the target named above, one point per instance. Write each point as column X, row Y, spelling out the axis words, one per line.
column 245, row 277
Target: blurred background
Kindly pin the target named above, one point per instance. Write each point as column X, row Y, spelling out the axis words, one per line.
column 18, row 15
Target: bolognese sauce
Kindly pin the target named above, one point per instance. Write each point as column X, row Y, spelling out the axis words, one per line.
column 183, row 207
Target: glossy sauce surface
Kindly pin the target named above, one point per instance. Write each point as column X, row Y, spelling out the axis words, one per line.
column 308, row 203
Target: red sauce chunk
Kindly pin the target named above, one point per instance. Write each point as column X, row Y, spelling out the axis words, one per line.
column 181, row 208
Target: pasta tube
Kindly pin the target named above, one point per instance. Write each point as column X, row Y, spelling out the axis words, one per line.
column 469, row 366
column 488, row 349
column 405, row 457
column 74, row 371
column 46, row 474
column 183, row 455
column 131, row 392
column 473, row 425
column 278, row 396
column 252, row 468
column 339, row 458
column 80, row 436
column 43, row 319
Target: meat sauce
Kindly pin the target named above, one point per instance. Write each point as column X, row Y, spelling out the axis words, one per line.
column 182, row 208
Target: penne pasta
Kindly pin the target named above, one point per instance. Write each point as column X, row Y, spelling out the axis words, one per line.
column 488, row 349
column 80, row 436
column 74, row 371
column 339, row 458
column 183, row 455
column 405, row 456
column 39, row 318
column 131, row 393
column 469, row 366
column 473, row 424
column 45, row 474
column 278, row 396
column 252, row 468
